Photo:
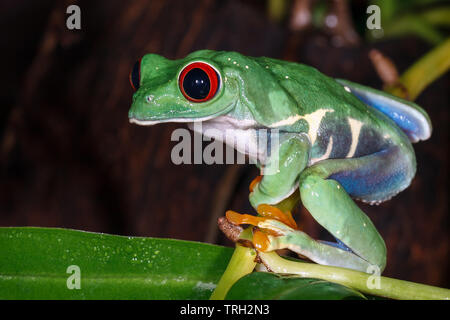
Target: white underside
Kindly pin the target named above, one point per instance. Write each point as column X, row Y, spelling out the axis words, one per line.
column 237, row 134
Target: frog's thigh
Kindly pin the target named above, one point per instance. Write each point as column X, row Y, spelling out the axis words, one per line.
column 373, row 178
column 282, row 171
column 323, row 191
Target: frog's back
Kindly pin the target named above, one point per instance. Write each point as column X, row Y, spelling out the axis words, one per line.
column 313, row 90
column 339, row 124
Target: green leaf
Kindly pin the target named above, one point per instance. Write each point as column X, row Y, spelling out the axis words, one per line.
column 34, row 262
column 269, row 286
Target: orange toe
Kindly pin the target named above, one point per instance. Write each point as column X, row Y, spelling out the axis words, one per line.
column 260, row 240
column 237, row 218
column 254, row 183
column 272, row 212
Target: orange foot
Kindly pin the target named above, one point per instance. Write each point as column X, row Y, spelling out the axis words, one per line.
column 254, row 183
column 261, row 239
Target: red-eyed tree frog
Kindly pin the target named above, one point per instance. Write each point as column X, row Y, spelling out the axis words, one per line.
column 338, row 140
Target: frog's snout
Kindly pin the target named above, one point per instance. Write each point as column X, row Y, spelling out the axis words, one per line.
column 130, row 115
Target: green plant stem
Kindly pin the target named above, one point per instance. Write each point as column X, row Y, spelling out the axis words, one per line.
column 388, row 287
column 427, row 69
column 242, row 263
column 439, row 16
column 413, row 24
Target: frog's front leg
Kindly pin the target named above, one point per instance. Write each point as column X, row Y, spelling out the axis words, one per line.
column 281, row 170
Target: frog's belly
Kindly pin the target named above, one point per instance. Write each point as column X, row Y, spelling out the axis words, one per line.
column 252, row 143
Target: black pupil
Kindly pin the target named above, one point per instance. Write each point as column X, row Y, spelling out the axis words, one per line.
column 135, row 75
column 196, row 84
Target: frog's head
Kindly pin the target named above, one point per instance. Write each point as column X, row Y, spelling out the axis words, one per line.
column 185, row 90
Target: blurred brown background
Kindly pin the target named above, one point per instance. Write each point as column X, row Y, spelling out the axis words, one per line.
column 69, row 158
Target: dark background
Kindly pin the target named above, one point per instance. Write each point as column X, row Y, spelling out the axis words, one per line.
column 69, row 157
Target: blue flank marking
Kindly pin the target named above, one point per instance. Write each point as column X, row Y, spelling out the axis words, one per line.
column 402, row 119
column 338, row 244
column 369, row 183
column 375, row 179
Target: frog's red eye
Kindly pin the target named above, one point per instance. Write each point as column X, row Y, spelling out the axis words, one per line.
column 199, row 82
column 135, row 75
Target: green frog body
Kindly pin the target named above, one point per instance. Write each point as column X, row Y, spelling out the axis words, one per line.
column 336, row 140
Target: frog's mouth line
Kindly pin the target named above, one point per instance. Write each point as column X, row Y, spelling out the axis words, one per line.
column 182, row 120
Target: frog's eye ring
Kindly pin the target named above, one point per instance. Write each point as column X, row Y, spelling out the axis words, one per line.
column 199, row 82
column 135, row 75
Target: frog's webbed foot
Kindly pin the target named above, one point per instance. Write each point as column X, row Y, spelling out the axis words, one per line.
column 270, row 223
column 276, row 230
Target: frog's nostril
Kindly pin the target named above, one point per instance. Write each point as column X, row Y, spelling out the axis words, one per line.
column 149, row 98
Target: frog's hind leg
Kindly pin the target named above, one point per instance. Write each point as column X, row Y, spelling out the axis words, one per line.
column 325, row 190
column 374, row 178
